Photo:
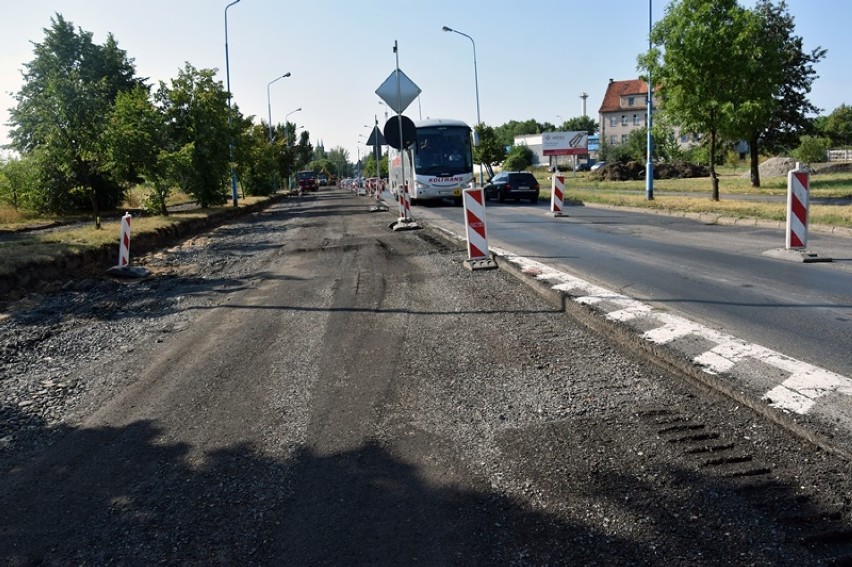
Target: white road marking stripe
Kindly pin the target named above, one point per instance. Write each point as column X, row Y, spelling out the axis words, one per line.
column 798, row 393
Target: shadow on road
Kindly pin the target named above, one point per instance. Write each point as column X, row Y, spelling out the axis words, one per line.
column 130, row 495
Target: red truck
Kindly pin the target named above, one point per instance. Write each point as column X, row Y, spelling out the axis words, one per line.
column 307, row 181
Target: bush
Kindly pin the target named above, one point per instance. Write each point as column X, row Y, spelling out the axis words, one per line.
column 519, row 158
column 812, row 149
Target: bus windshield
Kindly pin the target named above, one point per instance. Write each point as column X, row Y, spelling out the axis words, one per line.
column 443, row 150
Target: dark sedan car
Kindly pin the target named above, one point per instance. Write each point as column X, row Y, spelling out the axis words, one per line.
column 512, row 185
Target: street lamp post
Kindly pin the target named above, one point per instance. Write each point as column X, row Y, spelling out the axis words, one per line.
column 475, row 80
column 286, row 116
column 230, row 118
column 649, row 167
column 269, row 106
column 269, row 101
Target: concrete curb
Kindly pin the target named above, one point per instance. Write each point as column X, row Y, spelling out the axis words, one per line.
column 665, row 356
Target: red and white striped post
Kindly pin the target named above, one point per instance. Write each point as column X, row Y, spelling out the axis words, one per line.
column 557, row 195
column 124, row 241
column 478, row 256
column 404, row 204
column 798, row 183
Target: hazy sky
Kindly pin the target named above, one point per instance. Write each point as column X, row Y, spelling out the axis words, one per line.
column 534, row 58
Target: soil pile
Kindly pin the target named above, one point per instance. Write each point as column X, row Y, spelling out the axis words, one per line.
column 634, row 170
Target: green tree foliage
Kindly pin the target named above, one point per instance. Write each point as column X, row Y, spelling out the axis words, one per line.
column 304, row 152
column 19, row 183
column 580, row 124
column 196, row 112
column 338, row 157
column 62, row 112
column 490, row 150
column 837, row 126
column 370, row 165
column 704, row 61
column 139, row 148
column 520, row 157
column 507, row 132
column 775, row 107
column 812, row 149
column 258, row 167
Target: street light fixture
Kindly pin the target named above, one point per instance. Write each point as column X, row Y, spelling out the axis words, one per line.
column 649, row 166
column 286, row 116
column 230, row 118
column 476, row 83
column 269, row 101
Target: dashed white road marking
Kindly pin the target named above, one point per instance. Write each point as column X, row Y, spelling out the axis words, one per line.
column 798, row 393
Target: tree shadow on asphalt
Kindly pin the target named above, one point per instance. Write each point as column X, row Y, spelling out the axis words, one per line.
column 129, row 495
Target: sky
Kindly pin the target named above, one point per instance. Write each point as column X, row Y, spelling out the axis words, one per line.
column 534, row 59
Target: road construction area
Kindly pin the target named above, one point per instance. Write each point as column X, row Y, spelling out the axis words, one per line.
column 305, row 386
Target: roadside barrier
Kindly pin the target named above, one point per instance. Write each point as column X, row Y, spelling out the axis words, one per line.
column 478, row 256
column 404, row 204
column 798, row 183
column 557, row 195
column 124, row 269
column 124, row 241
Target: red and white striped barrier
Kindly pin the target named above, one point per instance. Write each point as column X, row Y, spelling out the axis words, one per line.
column 404, row 203
column 798, row 183
column 557, row 195
column 124, row 241
column 478, row 256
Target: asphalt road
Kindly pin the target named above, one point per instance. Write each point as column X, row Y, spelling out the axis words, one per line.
column 716, row 275
column 303, row 386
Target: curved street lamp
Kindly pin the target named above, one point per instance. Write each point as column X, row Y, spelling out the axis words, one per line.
column 291, row 112
column 475, row 81
column 269, row 101
column 230, row 118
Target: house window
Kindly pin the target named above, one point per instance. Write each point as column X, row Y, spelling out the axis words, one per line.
column 631, row 101
column 636, row 120
column 613, row 121
column 613, row 139
column 624, row 120
column 624, row 138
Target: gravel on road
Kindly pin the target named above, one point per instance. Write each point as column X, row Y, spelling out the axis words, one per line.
column 306, row 387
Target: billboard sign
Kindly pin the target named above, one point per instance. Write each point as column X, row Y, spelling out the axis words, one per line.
column 564, row 143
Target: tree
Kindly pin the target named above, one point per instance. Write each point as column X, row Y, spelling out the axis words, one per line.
column 139, row 148
column 489, row 151
column 19, row 181
column 837, row 126
column 258, row 174
column 63, row 109
column 520, row 157
column 580, row 124
column 507, row 132
column 703, row 63
column 773, row 112
column 370, row 164
column 196, row 112
column 812, row 149
column 340, row 158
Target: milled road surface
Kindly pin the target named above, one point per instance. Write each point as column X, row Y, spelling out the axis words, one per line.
column 306, row 387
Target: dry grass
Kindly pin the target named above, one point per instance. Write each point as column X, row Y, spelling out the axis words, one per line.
column 55, row 244
column 693, row 195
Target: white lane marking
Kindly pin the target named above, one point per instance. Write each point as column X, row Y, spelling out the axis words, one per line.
column 798, row 393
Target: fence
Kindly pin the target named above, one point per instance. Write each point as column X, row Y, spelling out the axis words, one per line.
column 840, row 155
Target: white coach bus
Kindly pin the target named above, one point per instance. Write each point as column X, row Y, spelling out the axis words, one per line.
column 439, row 165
